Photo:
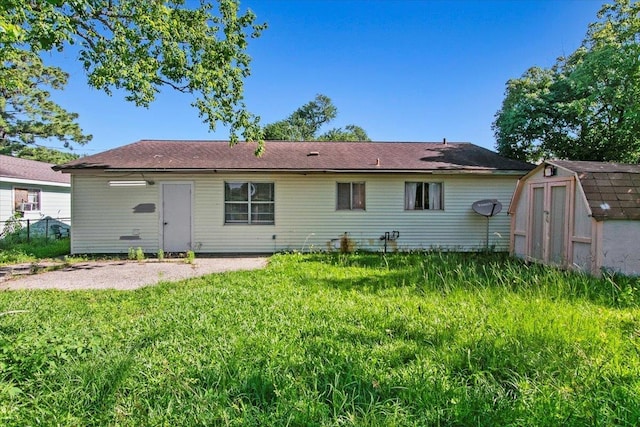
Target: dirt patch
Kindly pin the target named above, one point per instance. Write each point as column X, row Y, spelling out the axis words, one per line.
column 122, row 275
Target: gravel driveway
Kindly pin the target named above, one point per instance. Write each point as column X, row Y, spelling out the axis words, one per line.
column 121, row 274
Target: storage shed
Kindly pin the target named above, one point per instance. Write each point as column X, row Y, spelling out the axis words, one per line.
column 580, row 215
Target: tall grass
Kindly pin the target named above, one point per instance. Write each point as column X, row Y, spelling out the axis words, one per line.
column 18, row 250
column 342, row 339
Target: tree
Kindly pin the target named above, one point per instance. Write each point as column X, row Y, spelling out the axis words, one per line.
column 585, row 107
column 139, row 47
column 26, row 111
column 305, row 123
column 349, row 133
column 41, row 154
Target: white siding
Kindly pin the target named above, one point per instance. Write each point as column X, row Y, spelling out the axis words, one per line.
column 305, row 214
column 620, row 247
column 104, row 218
column 6, row 201
column 55, row 201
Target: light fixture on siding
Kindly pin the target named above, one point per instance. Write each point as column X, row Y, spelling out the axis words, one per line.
column 549, row 170
column 138, row 183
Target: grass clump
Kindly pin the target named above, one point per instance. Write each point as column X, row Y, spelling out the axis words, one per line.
column 136, row 254
column 330, row 339
column 14, row 251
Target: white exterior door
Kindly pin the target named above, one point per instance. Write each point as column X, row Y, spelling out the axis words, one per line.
column 176, row 217
column 549, row 222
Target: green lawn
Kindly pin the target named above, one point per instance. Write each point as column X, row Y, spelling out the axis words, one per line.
column 364, row 339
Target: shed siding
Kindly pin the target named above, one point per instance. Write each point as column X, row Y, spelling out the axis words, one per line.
column 305, row 214
column 582, row 257
column 582, row 251
column 582, row 223
column 620, row 246
column 519, row 224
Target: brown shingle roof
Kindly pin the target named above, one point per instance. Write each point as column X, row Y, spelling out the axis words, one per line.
column 612, row 189
column 13, row 167
column 150, row 155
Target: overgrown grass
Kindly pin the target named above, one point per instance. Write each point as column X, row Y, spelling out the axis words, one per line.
column 14, row 251
column 364, row 339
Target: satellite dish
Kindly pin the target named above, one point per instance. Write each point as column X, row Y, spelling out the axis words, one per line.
column 487, row 207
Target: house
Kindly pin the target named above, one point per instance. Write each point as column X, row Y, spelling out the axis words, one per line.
column 210, row 197
column 33, row 189
column 580, row 215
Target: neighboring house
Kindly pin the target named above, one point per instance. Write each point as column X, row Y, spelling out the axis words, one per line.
column 580, row 215
column 209, row 197
column 34, row 189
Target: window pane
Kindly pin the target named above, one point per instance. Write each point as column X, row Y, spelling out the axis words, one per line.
column 236, row 213
column 261, row 192
column 423, row 195
column 412, row 195
column 435, row 195
column 20, row 196
column 34, row 197
column 344, row 195
column 358, row 195
column 262, row 213
column 420, row 196
column 236, row 191
column 26, row 199
column 249, row 202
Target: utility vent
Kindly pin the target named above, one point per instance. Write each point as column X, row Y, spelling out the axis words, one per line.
column 313, row 153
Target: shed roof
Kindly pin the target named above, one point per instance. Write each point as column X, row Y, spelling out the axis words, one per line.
column 611, row 189
column 23, row 169
column 154, row 155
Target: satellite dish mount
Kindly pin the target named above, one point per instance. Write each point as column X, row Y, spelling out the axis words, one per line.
column 487, row 208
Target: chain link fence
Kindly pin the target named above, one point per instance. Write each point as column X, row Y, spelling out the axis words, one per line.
column 28, row 228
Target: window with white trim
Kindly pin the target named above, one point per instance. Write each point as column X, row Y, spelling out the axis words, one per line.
column 26, row 199
column 351, row 196
column 249, row 203
column 423, row 196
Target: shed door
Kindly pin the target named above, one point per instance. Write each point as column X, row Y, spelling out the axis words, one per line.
column 549, row 222
column 558, row 225
column 176, row 217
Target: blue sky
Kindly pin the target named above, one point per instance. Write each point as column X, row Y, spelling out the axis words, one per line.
column 404, row 70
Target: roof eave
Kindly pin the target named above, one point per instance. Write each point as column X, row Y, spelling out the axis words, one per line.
column 16, row 180
column 297, row 170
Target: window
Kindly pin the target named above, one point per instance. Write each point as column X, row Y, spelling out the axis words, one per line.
column 423, row 196
column 248, row 203
column 351, row 196
column 26, row 199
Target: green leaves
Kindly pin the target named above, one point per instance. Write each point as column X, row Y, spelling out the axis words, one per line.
column 587, row 106
column 305, row 123
column 139, row 48
column 27, row 112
